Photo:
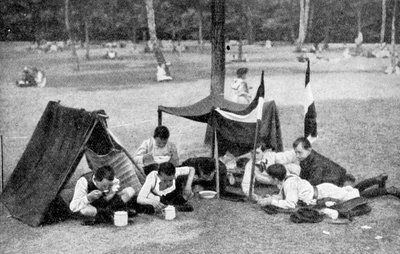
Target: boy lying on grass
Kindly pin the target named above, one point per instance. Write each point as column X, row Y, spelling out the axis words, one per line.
column 161, row 189
column 295, row 189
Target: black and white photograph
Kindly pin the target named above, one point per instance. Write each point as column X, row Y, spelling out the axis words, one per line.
column 200, row 126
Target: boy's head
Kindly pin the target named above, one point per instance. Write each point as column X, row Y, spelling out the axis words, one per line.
column 302, row 148
column 161, row 135
column 166, row 173
column 241, row 72
column 104, row 177
column 277, row 171
column 241, row 163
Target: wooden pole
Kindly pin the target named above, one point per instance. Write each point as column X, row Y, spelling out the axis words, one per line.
column 2, row 168
column 254, row 161
column 216, row 156
column 159, row 117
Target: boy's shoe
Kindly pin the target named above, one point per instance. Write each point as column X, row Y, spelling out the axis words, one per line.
column 185, row 208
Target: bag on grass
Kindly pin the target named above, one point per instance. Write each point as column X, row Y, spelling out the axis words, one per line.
column 353, row 207
column 306, row 215
column 271, row 209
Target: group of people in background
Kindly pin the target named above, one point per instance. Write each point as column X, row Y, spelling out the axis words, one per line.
column 32, row 77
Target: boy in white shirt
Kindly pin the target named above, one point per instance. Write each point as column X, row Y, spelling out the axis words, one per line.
column 294, row 189
column 160, row 189
column 97, row 196
column 156, row 150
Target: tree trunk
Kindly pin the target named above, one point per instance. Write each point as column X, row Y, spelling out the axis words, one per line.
column 68, row 27
column 292, row 22
column 153, row 36
column 249, row 25
column 310, row 23
column 200, row 20
column 383, row 25
column 217, row 47
column 87, row 38
column 359, row 19
column 240, row 54
column 304, row 9
column 394, row 59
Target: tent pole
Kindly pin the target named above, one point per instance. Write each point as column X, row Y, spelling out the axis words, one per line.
column 216, row 163
column 2, row 167
column 159, row 117
column 254, row 161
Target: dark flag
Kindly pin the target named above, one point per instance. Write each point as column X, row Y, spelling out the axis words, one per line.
column 310, row 114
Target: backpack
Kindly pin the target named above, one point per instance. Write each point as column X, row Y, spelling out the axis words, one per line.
column 353, row 207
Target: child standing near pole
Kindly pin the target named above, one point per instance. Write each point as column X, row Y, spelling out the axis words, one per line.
column 240, row 88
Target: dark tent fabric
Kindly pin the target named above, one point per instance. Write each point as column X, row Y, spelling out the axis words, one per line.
column 201, row 110
column 232, row 136
column 50, row 158
column 238, row 137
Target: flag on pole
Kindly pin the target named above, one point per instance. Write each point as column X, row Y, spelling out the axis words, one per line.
column 310, row 114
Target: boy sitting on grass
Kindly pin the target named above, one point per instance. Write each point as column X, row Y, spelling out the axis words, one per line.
column 97, row 197
column 161, row 189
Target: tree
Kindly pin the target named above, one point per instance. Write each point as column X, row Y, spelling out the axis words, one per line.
column 217, row 47
column 394, row 60
column 68, row 27
column 383, row 24
column 303, row 22
column 249, row 22
column 153, row 36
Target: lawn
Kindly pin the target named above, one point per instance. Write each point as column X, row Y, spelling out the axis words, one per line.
column 358, row 122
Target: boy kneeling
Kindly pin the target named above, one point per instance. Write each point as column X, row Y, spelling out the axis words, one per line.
column 294, row 189
column 97, row 196
column 160, row 189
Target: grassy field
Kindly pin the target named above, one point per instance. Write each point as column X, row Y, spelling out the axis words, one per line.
column 358, row 119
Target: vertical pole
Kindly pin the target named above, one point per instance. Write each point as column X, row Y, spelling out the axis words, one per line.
column 254, row 161
column 159, row 117
column 216, row 156
column 2, row 162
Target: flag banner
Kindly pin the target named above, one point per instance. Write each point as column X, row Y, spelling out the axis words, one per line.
column 236, row 129
column 310, row 113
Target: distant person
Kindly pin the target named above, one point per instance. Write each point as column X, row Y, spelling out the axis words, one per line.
column 97, row 196
column 161, row 189
column 40, row 77
column 32, row 77
column 156, row 150
column 240, row 88
column 162, row 74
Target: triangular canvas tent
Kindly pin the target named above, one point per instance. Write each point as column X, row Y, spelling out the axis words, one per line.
column 57, row 145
